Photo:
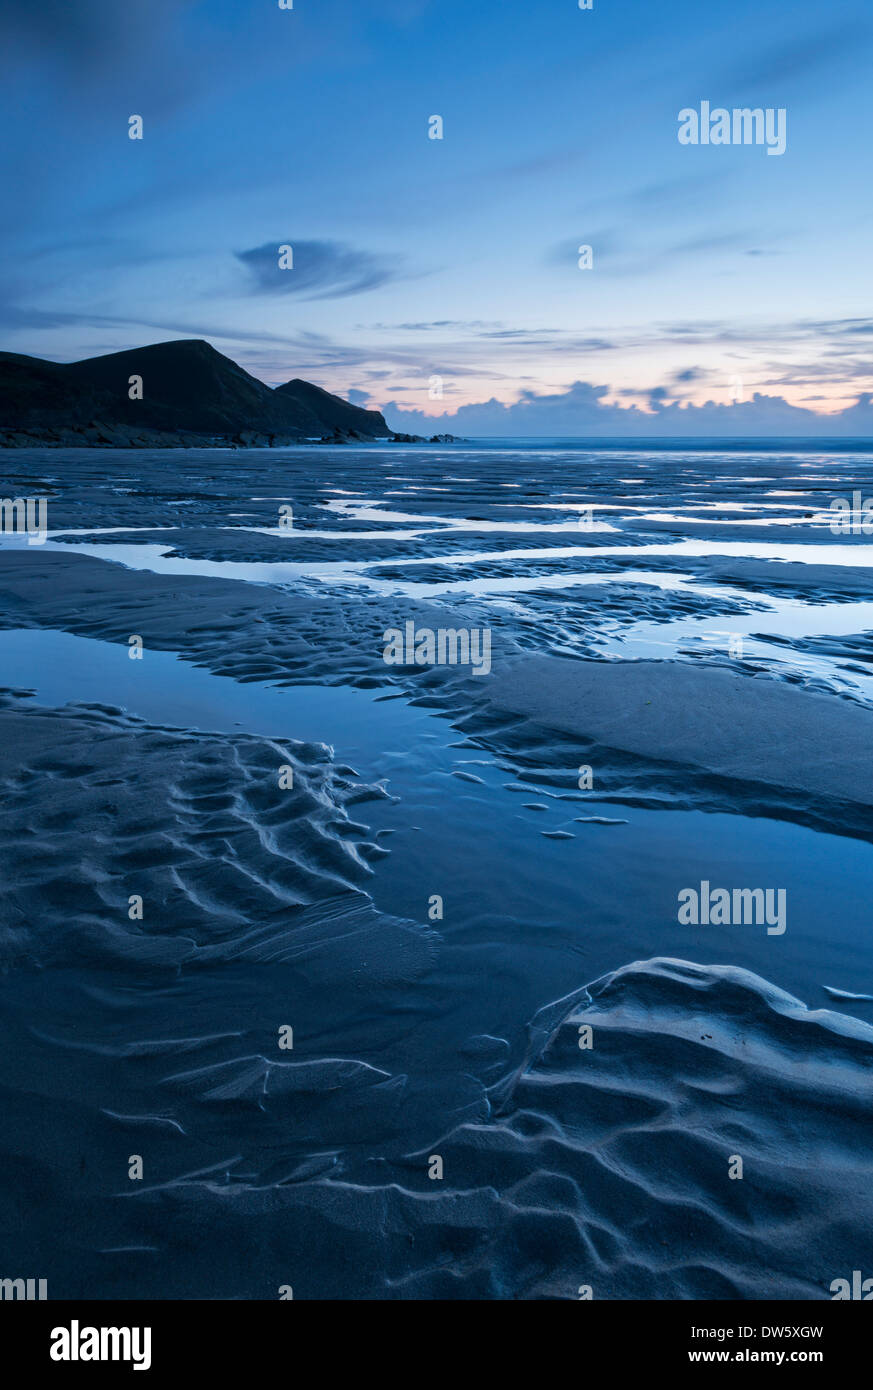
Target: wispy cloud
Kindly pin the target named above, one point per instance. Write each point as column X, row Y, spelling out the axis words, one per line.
column 615, row 255
column 786, row 62
column 321, row 269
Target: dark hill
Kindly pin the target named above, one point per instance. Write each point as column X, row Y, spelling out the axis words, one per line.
column 191, row 394
column 316, row 404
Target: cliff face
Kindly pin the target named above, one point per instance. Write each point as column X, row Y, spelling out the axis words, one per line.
column 191, row 395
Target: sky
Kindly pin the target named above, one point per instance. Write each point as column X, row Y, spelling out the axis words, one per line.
column 440, row 279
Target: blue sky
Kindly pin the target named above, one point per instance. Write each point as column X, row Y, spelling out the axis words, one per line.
column 720, row 273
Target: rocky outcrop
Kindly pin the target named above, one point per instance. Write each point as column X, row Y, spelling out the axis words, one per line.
column 424, row 439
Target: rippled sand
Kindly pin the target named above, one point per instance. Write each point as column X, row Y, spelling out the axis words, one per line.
column 614, row 646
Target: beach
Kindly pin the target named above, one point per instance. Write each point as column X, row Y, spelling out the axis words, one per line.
column 226, row 814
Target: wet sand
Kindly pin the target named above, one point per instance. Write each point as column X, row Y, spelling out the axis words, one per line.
column 308, row 906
